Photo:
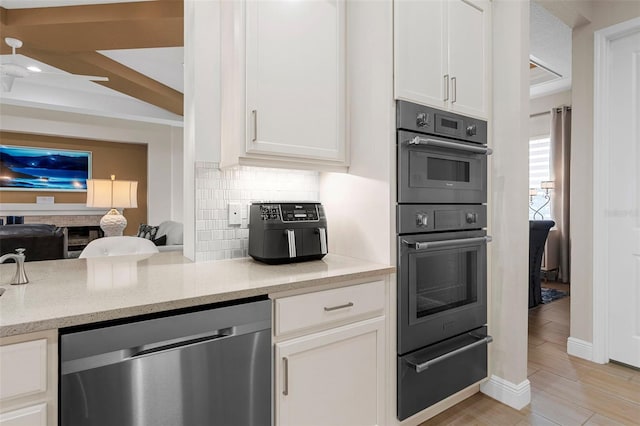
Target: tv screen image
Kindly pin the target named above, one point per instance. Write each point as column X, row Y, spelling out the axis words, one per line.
column 43, row 169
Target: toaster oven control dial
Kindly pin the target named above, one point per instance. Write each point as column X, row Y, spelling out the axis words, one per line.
column 472, row 130
column 472, row 217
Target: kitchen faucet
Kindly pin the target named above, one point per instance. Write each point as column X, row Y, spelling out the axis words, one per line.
column 20, row 277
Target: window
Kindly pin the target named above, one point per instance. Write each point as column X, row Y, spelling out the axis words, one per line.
column 539, row 171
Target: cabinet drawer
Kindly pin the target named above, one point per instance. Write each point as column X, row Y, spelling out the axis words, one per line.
column 309, row 310
column 24, row 369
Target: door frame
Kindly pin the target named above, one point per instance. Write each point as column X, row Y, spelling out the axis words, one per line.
column 601, row 170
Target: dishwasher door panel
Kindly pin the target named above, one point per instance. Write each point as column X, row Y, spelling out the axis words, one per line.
column 219, row 382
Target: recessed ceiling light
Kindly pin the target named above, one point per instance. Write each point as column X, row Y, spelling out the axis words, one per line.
column 34, row 68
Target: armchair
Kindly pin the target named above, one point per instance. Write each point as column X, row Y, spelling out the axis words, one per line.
column 538, row 232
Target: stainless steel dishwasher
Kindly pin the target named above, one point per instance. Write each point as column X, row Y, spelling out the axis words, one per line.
column 210, row 367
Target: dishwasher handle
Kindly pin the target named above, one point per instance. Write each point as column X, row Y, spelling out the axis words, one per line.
column 172, row 344
column 156, row 348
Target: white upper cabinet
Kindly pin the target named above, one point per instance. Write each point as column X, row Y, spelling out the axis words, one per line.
column 420, row 51
column 469, row 36
column 442, row 54
column 291, row 104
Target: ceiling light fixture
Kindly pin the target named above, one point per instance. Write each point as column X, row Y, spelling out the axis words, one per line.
column 34, row 68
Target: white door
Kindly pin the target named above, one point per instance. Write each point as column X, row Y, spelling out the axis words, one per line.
column 421, row 52
column 623, row 215
column 335, row 377
column 469, row 34
column 296, row 78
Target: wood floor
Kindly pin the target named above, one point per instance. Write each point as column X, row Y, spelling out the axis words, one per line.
column 564, row 390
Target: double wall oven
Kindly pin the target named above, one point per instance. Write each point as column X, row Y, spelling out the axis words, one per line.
column 442, row 255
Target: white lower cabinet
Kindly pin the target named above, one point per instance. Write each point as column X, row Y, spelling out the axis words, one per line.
column 333, row 377
column 28, row 379
column 35, row 415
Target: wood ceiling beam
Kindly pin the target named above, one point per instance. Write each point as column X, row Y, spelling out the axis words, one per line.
column 97, row 27
column 114, row 12
column 68, row 37
column 121, row 78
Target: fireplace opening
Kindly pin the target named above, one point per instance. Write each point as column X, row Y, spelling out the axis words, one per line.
column 79, row 236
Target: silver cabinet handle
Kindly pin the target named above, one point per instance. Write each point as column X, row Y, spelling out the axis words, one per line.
column 425, row 365
column 454, row 89
column 285, row 373
column 419, row 140
column 254, row 114
column 323, row 240
column 447, row 244
column 334, row 308
column 446, row 87
column 291, row 237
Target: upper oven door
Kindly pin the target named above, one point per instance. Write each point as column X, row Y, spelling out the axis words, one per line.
column 439, row 170
column 442, row 286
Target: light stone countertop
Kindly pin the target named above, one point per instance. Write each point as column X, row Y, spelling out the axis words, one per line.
column 64, row 293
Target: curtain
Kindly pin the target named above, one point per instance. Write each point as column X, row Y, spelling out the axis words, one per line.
column 560, row 140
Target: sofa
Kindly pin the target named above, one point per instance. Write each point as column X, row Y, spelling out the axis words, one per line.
column 41, row 242
column 174, row 232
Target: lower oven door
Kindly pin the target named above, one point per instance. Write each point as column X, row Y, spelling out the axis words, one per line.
column 442, row 286
column 436, row 372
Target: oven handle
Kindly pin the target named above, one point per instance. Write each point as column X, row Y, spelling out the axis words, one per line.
column 419, row 140
column 420, row 367
column 448, row 243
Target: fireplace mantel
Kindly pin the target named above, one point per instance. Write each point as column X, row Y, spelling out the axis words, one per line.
column 59, row 209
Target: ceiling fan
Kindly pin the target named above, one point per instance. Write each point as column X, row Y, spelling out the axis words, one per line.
column 10, row 71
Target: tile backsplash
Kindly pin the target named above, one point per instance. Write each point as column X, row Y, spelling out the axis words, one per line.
column 216, row 188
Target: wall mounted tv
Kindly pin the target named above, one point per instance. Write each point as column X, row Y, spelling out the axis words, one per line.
column 43, row 169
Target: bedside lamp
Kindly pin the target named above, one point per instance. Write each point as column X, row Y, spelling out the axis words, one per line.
column 112, row 193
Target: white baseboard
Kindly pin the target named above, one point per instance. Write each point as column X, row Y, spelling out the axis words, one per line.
column 515, row 396
column 580, row 348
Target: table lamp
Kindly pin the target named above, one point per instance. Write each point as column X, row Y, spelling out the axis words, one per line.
column 113, row 194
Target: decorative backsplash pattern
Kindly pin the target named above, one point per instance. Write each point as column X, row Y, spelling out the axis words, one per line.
column 215, row 189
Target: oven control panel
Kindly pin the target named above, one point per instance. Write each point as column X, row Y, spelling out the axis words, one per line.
column 414, row 218
column 424, row 119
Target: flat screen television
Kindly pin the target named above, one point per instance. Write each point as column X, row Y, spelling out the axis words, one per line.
column 43, row 169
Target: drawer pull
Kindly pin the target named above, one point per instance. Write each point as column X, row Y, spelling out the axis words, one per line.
column 285, row 368
column 483, row 340
column 333, row 308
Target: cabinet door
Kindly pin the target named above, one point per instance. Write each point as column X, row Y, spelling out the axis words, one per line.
column 334, row 377
column 296, row 78
column 420, row 51
column 469, row 55
column 24, row 369
column 35, row 415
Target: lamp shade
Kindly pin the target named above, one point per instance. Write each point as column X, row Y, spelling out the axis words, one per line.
column 533, row 192
column 547, row 184
column 112, row 193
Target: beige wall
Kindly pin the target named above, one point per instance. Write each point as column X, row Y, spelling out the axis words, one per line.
column 603, row 14
column 126, row 160
column 164, row 147
column 509, row 191
column 368, row 185
column 541, row 124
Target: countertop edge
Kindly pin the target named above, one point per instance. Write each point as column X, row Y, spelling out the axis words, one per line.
column 137, row 310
